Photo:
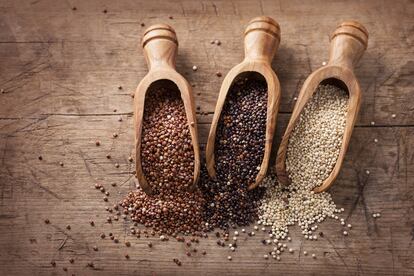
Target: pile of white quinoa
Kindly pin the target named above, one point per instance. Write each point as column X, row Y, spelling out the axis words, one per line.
column 312, row 152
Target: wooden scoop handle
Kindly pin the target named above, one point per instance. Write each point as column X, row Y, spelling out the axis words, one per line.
column 160, row 46
column 348, row 43
column 261, row 39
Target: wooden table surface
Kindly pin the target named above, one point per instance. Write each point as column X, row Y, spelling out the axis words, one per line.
column 59, row 75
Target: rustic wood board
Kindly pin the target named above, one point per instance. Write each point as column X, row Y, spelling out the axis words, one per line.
column 60, row 70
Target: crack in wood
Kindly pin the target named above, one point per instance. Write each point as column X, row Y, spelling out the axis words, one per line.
column 337, row 253
column 63, row 243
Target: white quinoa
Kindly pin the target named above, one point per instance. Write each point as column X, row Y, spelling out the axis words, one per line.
column 312, row 152
column 315, row 141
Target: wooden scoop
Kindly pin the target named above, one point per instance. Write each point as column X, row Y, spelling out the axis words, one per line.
column 160, row 50
column 348, row 43
column 261, row 40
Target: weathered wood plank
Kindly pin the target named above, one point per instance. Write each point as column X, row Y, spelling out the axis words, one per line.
column 106, row 47
column 34, row 190
column 60, row 70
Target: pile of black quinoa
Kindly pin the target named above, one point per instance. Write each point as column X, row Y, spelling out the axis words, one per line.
column 239, row 149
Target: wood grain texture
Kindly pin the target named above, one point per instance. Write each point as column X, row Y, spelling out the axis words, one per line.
column 60, row 70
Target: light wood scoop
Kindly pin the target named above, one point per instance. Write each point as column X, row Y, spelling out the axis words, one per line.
column 348, row 43
column 261, row 40
column 160, row 50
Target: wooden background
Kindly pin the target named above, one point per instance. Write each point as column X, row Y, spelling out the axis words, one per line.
column 59, row 73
